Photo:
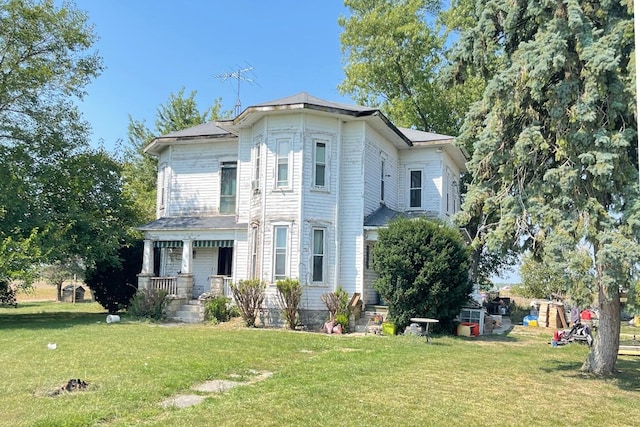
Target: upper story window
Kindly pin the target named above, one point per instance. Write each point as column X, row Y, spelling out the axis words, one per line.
column 320, row 164
column 280, row 255
column 415, row 189
column 164, row 184
column 282, row 163
column 318, row 265
column 228, row 187
column 255, row 183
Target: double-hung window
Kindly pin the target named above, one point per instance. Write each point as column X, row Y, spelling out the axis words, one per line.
column 282, row 163
column 318, row 254
column 415, row 189
column 254, row 252
column 228, row 187
column 255, row 183
column 382, row 175
column 320, row 164
column 280, row 239
column 164, row 181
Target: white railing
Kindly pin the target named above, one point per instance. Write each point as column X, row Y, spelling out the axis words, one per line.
column 168, row 284
column 227, row 288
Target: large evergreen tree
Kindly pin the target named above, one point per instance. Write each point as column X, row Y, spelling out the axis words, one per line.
column 555, row 141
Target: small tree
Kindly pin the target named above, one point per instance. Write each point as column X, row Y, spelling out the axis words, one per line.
column 289, row 296
column 423, row 271
column 249, row 295
column 56, row 273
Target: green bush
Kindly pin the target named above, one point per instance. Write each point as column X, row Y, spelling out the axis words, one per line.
column 148, row 304
column 289, row 295
column 249, row 295
column 343, row 320
column 216, row 309
column 423, row 269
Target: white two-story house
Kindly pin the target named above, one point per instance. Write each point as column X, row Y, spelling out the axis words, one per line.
column 295, row 187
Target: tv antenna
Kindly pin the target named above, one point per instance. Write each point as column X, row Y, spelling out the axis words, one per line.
column 238, row 75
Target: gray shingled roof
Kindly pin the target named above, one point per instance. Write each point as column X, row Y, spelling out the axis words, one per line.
column 205, row 129
column 224, row 222
column 305, row 98
column 421, row 136
column 383, row 215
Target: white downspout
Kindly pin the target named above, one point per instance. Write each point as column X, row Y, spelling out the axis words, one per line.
column 336, row 221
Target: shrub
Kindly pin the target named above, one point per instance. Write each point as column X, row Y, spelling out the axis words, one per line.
column 343, row 320
column 148, row 304
column 423, row 271
column 249, row 295
column 289, row 295
column 216, row 309
column 337, row 302
column 114, row 286
column 7, row 294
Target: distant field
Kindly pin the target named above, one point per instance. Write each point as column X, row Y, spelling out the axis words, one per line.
column 44, row 292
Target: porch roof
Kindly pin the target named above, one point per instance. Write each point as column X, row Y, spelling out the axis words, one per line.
column 182, row 223
column 383, row 215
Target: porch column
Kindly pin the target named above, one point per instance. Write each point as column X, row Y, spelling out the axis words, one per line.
column 187, row 257
column 147, row 257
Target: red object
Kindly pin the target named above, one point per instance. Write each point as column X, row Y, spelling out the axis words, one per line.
column 585, row 315
column 556, row 336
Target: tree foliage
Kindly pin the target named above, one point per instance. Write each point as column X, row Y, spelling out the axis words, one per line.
column 394, row 55
column 60, row 199
column 554, row 161
column 423, row 271
column 140, row 170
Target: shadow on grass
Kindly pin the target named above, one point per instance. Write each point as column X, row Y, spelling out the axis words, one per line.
column 49, row 320
column 627, row 372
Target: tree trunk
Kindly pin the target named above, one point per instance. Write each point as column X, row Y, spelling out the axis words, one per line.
column 604, row 353
column 59, row 293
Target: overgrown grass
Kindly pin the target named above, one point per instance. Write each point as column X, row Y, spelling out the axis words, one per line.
column 317, row 379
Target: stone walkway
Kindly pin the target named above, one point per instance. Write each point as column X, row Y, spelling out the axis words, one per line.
column 211, row 387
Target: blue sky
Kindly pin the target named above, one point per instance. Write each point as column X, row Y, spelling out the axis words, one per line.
column 154, row 48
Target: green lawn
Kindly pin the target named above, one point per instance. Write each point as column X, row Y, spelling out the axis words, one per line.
column 317, row 379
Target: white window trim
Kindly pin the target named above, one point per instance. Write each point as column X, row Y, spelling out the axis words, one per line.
column 164, row 186
column 409, row 188
column 288, row 184
column 287, row 271
column 257, row 167
column 326, row 164
column 324, row 255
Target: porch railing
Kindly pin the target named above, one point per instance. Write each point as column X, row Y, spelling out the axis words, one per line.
column 168, row 284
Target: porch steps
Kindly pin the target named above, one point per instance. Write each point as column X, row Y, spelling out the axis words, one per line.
column 367, row 324
column 192, row 312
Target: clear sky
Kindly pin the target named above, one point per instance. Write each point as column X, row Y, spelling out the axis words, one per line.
column 154, row 48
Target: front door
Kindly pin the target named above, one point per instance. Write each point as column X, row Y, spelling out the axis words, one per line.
column 225, row 258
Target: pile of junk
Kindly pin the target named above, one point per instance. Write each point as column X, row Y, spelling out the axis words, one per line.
column 579, row 332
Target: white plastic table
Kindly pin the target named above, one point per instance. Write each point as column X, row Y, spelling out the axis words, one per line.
column 424, row 323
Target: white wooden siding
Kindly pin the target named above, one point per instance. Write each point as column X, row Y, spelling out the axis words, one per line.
column 351, row 213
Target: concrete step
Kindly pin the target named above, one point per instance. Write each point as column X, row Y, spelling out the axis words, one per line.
column 189, row 313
